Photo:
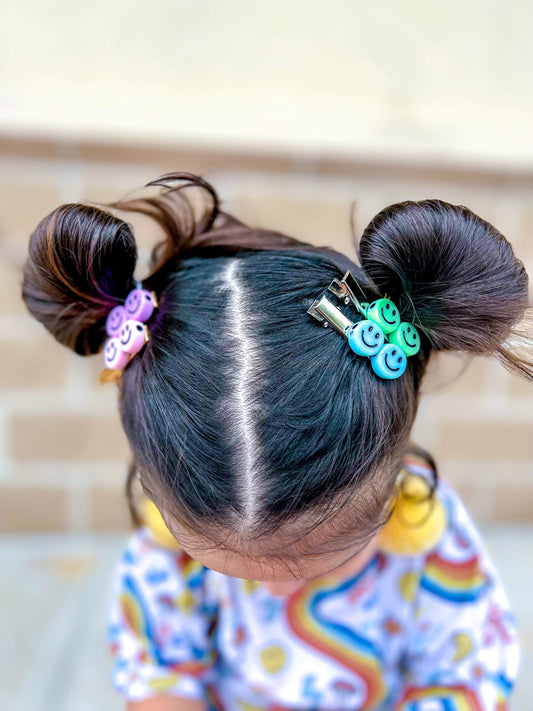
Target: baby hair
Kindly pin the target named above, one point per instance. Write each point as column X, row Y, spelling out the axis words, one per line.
column 242, row 413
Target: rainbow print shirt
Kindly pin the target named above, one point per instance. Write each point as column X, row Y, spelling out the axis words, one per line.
column 429, row 632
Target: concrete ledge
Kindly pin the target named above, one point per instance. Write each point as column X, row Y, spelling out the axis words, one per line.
column 437, row 163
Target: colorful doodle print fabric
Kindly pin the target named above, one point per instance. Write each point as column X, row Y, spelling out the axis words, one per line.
column 431, row 632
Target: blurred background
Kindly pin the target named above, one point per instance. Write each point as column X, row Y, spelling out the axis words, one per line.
column 292, row 110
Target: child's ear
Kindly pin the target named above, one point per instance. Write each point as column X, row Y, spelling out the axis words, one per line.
column 418, row 519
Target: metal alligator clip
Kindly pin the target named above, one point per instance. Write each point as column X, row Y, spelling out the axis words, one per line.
column 324, row 310
column 345, row 289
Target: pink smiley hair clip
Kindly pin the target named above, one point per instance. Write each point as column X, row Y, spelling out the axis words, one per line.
column 127, row 331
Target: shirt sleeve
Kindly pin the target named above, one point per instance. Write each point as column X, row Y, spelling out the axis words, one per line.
column 160, row 623
column 463, row 652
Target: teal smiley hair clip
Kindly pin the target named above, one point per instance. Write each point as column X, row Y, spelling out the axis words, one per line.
column 380, row 335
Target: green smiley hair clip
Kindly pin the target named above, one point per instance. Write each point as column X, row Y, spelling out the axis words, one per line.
column 380, row 335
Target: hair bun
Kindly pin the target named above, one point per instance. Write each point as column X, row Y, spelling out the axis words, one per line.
column 80, row 265
column 450, row 273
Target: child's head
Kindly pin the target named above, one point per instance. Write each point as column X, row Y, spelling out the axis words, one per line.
column 268, row 445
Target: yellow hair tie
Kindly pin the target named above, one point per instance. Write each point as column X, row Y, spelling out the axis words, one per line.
column 417, row 521
column 157, row 528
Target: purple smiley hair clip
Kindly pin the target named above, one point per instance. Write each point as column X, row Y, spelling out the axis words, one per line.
column 127, row 331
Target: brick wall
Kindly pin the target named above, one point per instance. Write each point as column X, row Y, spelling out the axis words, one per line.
column 62, row 452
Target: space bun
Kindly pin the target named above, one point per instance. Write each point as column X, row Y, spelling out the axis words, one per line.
column 450, row 273
column 82, row 258
column 80, row 265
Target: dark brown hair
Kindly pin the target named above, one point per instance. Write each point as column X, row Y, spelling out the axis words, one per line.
column 241, row 411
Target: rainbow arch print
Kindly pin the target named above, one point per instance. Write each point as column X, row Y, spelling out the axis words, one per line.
column 452, row 698
column 136, row 618
column 334, row 639
column 463, row 581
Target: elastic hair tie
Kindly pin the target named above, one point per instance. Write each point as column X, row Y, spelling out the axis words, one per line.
column 127, row 331
column 418, row 518
column 380, row 335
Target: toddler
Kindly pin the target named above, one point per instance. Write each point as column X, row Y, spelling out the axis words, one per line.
column 292, row 548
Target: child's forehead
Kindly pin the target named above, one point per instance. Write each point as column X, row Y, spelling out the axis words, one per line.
column 309, row 544
column 276, row 558
column 240, row 565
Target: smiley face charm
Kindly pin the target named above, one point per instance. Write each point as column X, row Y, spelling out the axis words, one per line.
column 390, row 362
column 127, row 331
column 114, row 357
column 140, row 304
column 115, row 320
column 133, row 336
column 407, row 338
column 385, row 314
column 365, row 338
